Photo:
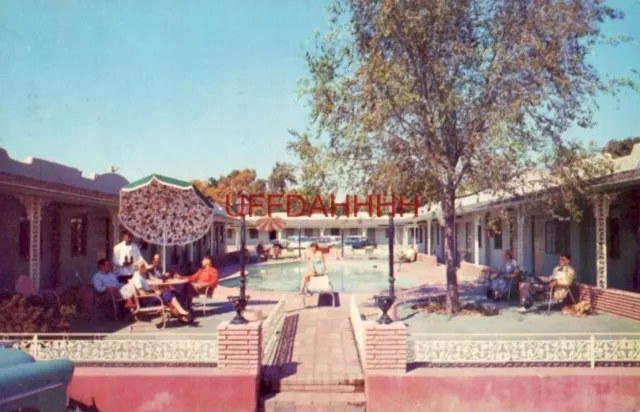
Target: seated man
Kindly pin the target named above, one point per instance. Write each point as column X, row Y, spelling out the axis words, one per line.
column 155, row 269
column 408, row 255
column 262, row 254
column 276, row 250
column 106, row 283
column 205, row 277
column 561, row 278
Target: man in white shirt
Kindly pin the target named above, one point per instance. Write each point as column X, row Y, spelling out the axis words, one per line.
column 125, row 255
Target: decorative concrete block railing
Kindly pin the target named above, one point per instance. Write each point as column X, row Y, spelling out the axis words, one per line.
column 613, row 301
column 240, row 346
column 358, row 329
column 112, row 349
column 524, row 349
column 271, row 329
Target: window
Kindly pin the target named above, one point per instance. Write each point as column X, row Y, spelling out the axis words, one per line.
column 308, row 232
column 253, row 233
column 354, row 231
column 557, row 237
column 229, row 233
column 479, row 236
column 497, row 237
column 419, row 235
column 79, row 236
column 468, row 233
column 289, row 232
column 614, row 238
column 335, row 231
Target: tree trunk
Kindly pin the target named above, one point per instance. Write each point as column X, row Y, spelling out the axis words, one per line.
column 449, row 214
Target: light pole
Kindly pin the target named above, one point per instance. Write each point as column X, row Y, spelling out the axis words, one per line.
column 240, row 302
column 385, row 302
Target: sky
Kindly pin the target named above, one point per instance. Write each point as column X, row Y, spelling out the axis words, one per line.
column 189, row 89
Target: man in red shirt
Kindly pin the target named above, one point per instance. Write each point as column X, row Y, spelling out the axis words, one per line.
column 205, row 277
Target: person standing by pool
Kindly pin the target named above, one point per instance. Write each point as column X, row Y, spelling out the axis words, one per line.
column 318, row 266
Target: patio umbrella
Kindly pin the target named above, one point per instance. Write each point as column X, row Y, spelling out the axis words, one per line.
column 165, row 211
column 269, row 224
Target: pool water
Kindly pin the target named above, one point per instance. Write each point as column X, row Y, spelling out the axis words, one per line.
column 345, row 277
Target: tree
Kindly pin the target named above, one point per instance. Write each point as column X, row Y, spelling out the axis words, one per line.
column 448, row 98
column 620, row 148
column 282, row 175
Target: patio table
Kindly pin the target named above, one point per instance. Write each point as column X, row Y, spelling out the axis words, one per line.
column 167, row 283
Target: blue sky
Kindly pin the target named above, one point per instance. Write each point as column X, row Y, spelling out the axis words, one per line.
column 190, row 89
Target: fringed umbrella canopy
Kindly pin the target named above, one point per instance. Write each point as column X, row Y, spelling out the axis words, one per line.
column 165, row 211
column 269, row 223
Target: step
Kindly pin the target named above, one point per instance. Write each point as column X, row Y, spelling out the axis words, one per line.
column 321, row 401
column 272, row 381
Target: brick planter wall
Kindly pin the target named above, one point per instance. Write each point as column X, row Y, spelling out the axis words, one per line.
column 240, row 346
column 430, row 259
column 471, row 269
column 385, row 347
column 613, row 301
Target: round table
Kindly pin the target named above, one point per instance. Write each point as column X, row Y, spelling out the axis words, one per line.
column 168, row 283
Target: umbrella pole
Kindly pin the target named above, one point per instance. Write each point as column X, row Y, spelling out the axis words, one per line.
column 164, row 256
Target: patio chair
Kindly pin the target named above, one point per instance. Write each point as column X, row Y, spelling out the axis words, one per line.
column 155, row 310
column 558, row 295
column 320, row 284
column 208, row 294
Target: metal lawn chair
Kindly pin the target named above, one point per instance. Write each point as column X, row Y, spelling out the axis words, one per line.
column 559, row 296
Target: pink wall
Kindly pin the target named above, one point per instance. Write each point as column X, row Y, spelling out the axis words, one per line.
column 165, row 389
column 496, row 389
column 430, row 259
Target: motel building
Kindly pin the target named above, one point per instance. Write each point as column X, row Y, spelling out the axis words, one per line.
column 56, row 222
column 602, row 244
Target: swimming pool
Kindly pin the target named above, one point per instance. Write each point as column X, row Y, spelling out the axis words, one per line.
column 345, row 276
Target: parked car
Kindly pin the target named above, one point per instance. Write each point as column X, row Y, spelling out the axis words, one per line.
column 363, row 243
column 293, row 242
column 284, row 243
column 29, row 385
column 351, row 240
column 323, row 242
column 334, row 241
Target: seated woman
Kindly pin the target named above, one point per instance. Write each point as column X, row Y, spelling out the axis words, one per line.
column 140, row 283
column 408, row 255
column 500, row 281
column 318, row 267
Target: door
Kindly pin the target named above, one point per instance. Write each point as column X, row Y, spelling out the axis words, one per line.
column 371, row 234
column 273, row 235
column 538, row 247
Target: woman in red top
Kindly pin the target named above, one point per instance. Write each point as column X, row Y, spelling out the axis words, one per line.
column 205, row 277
